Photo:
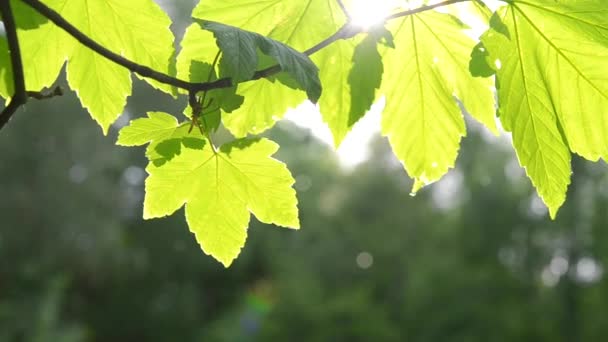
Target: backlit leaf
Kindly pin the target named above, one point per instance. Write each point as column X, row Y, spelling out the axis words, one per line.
column 220, row 190
column 44, row 49
column 553, row 94
column 424, row 73
column 157, row 126
column 102, row 86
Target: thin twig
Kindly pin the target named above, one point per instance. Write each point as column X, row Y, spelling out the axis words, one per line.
column 20, row 95
column 344, row 10
column 201, row 104
column 423, row 9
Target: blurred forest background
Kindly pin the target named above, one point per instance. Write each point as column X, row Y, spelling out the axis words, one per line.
column 472, row 258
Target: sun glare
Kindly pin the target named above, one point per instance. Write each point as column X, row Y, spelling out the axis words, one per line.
column 354, row 150
column 367, row 13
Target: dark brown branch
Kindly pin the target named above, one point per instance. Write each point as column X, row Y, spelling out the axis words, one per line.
column 20, row 95
column 45, row 94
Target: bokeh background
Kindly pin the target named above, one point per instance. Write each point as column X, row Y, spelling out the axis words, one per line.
column 472, row 258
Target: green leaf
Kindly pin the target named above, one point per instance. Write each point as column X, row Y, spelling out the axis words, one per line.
column 198, row 50
column 239, row 56
column 164, row 135
column 335, row 103
column 423, row 74
column 6, row 72
column 220, row 190
column 479, row 65
column 44, row 49
column 239, row 50
column 292, row 22
column 553, row 92
column 265, row 102
column 25, row 17
column 365, row 77
column 156, row 127
column 102, row 86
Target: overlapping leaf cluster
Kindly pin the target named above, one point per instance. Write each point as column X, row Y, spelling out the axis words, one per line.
column 541, row 68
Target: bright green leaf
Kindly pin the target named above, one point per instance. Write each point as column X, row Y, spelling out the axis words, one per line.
column 164, row 135
column 157, row 126
column 423, row 74
column 261, row 98
column 45, row 49
column 198, row 50
column 220, row 190
column 553, row 92
column 102, row 86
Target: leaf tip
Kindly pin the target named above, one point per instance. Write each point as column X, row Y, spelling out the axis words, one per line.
column 553, row 213
column 104, row 129
column 419, row 183
column 225, row 262
column 554, row 208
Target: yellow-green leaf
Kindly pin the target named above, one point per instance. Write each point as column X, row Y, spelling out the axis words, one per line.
column 220, row 189
column 552, row 60
column 157, row 126
column 423, row 75
column 102, row 86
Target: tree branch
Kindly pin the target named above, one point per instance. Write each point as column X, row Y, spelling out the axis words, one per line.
column 85, row 40
column 345, row 32
column 20, row 95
